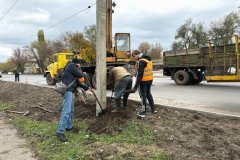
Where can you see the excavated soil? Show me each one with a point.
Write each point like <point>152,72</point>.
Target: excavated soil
<point>189,134</point>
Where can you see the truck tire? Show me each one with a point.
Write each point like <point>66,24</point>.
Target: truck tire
<point>89,81</point>
<point>181,77</point>
<point>49,79</point>
<point>94,81</point>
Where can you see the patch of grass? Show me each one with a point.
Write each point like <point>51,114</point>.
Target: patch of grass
<point>80,145</point>
<point>159,155</point>
<point>4,107</point>
<point>134,133</point>
<point>127,156</point>
<point>47,145</point>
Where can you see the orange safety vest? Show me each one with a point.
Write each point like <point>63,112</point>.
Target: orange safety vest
<point>148,70</point>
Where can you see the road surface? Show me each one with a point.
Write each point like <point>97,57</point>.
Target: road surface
<point>210,97</point>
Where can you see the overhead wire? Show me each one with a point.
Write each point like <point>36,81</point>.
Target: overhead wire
<point>10,8</point>
<point>65,19</point>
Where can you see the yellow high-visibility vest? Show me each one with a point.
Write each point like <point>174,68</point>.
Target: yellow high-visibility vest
<point>148,70</point>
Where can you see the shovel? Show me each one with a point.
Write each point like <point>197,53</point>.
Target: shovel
<point>23,113</point>
<point>91,89</point>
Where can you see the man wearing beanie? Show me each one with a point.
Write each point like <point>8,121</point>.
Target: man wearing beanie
<point>70,76</point>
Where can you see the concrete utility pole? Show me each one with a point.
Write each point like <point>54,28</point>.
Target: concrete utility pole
<point>109,25</point>
<point>101,54</point>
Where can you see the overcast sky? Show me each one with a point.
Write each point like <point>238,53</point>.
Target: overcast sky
<point>154,21</point>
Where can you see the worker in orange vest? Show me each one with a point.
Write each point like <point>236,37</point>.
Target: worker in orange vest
<point>144,69</point>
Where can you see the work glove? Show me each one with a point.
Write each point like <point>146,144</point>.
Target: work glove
<point>134,89</point>
<point>84,86</point>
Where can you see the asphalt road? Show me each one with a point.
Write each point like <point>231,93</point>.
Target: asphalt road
<point>219,96</point>
<point>210,97</point>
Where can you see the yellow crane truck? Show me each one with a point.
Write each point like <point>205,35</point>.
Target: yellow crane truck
<point>212,63</point>
<point>119,56</point>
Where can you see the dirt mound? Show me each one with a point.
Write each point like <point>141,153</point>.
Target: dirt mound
<point>183,134</point>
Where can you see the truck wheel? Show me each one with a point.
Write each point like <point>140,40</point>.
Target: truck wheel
<point>181,77</point>
<point>94,81</point>
<point>49,79</point>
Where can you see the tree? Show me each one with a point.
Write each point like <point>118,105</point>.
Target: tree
<point>199,36</point>
<point>190,35</point>
<point>40,36</point>
<point>57,46</point>
<point>90,33</point>
<point>73,41</point>
<point>144,47</point>
<point>221,31</point>
<point>19,59</point>
<point>8,66</point>
<point>156,51</point>
<point>184,33</point>
<point>177,45</point>
<point>40,51</point>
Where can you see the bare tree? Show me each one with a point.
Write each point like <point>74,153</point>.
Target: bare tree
<point>19,59</point>
<point>57,46</point>
<point>144,47</point>
<point>156,51</point>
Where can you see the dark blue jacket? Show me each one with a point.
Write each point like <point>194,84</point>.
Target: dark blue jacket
<point>71,72</point>
<point>142,64</point>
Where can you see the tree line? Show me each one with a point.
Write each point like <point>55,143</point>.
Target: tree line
<point>39,51</point>
<point>188,36</point>
<point>192,35</point>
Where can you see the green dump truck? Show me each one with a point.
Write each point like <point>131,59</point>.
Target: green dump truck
<point>212,63</point>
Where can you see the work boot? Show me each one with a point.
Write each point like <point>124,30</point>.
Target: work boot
<point>73,129</point>
<point>124,103</point>
<point>118,103</point>
<point>61,137</point>
<point>154,112</point>
<point>118,106</point>
<point>115,111</point>
<point>141,114</point>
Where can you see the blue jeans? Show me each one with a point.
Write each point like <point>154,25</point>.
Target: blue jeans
<point>67,112</point>
<point>124,84</point>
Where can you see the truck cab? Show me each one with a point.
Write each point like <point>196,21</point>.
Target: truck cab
<point>55,69</point>
<point>122,47</point>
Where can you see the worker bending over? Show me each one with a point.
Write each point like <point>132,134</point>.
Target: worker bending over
<point>120,80</point>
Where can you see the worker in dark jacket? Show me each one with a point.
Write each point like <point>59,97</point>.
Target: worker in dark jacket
<point>120,80</point>
<point>17,73</point>
<point>144,69</point>
<point>71,74</point>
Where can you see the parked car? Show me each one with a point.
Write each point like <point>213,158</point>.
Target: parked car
<point>10,72</point>
<point>0,74</point>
